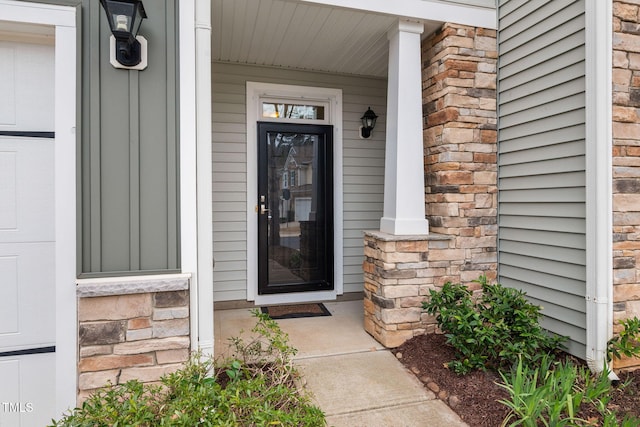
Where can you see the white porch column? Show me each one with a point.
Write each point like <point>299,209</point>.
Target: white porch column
<point>404,169</point>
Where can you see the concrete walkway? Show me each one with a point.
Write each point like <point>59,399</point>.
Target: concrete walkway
<point>352,378</point>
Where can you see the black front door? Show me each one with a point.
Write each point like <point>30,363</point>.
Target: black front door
<point>295,208</point>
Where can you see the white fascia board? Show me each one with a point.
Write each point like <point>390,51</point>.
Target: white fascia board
<point>427,10</point>
<point>36,13</point>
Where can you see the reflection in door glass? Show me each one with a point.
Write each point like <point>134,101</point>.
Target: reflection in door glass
<point>274,110</point>
<point>295,229</point>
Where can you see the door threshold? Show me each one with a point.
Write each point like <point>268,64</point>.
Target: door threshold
<point>296,297</point>
<point>238,304</point>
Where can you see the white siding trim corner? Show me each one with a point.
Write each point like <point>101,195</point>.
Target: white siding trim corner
<point>65,184</point>
<point>204,173</point>
<point>188,179</point>
<point>195,167</point>
<point>63,18</point>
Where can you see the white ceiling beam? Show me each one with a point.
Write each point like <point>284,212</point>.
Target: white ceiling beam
<point>429,10</point>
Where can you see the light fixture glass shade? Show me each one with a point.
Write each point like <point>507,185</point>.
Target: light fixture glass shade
<point>368,122</point>
<point>125,18</point>
<point>369,119</point>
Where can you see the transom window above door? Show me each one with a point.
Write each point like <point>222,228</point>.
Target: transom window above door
<point>287,111</point>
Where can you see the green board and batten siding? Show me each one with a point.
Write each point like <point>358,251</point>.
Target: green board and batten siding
<point>129,149</point>
<point>542,237</point>
<point>363,168</point>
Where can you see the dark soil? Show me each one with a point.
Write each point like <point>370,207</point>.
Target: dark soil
<point>475,396</point>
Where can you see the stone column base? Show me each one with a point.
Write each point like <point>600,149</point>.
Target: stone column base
<point>398,273</point>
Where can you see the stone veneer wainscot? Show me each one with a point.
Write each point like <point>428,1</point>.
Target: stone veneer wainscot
<point>399,271</point>
<point>135,328</point>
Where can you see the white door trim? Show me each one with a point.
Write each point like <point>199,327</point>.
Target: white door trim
<point>64,20</point>
<point>256,91</point>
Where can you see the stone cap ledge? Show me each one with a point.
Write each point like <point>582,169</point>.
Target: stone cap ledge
<point>386,237</point>
<point>109,286</point>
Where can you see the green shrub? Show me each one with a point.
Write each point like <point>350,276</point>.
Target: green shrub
<point>491,331</point>
<point>129,404</point>
<point>255,387</point>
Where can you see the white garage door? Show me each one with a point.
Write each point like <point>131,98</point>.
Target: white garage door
<point>27,240</point>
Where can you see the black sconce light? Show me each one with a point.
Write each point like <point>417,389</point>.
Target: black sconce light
<point>368,123</point>
<point>125,17</point>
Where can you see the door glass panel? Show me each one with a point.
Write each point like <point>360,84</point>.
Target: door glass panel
<point>295,211</point>
<point>293,207</point>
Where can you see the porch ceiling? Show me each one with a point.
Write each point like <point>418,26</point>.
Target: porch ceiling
<point>290,34</point>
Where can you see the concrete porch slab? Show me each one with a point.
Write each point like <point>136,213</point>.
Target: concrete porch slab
<point>360,381</point>
<point>341,333</point>
<point>227,324</point>
<point>351,377</point>
<point>433,413</point>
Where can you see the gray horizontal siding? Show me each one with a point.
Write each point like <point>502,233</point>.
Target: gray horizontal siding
<point>546,22</point>
<point>542,227</point>
<point>363,169</point>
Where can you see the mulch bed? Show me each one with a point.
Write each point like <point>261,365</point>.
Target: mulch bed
<point>474,397</point>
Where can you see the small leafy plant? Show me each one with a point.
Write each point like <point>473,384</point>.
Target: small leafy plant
<point>627,342</point>
<point>266,353</point>
<point>491,331</point>
<point>256,387</point>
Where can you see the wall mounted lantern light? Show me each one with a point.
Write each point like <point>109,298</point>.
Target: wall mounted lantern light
<point>368,123</point>
<point>127,49</point>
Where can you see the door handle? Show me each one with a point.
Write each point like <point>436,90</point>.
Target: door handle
<point>264,209</point>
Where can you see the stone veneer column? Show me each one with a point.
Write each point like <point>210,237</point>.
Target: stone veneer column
<point>460,143</point>
<point>398,273</point>
<point>626,164</point>
<point>137,329</point>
